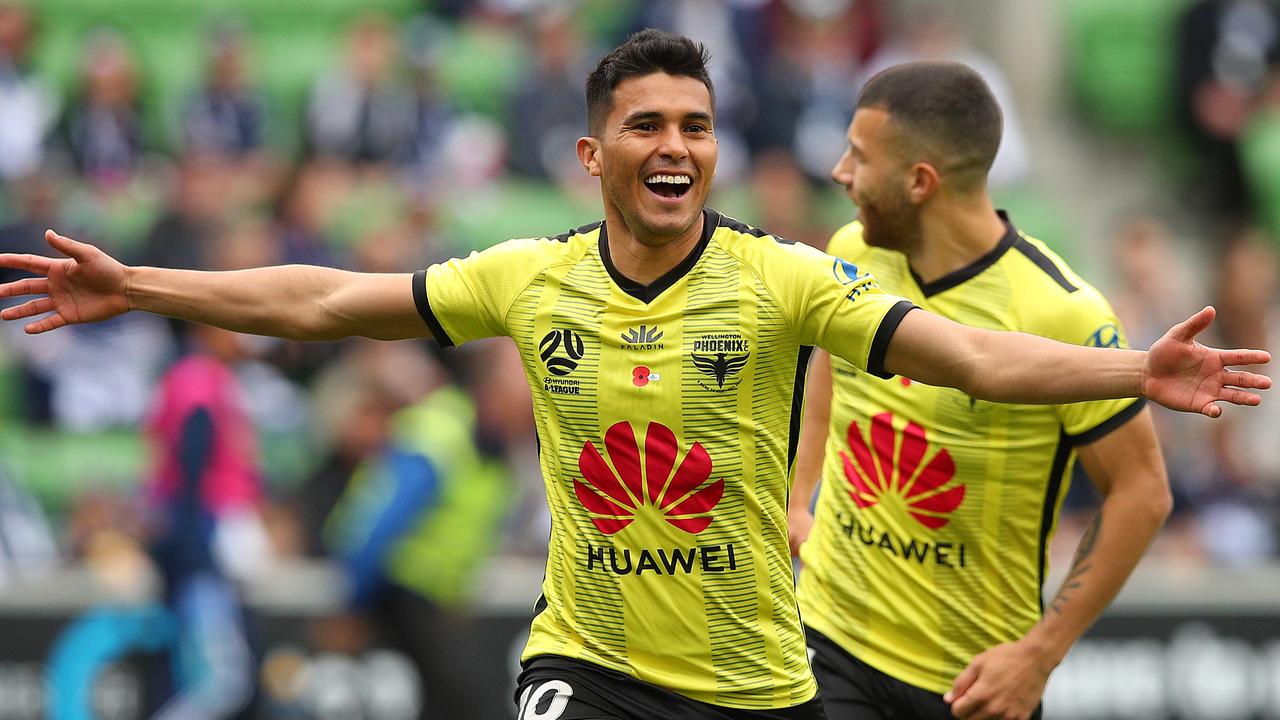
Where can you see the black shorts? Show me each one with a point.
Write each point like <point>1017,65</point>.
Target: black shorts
<point>853,690</point>
<point>558,688</point>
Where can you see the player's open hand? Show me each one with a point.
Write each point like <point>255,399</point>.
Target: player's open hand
<point>1184,375</point>
<point>1003,683</point>
<point>86,285</point>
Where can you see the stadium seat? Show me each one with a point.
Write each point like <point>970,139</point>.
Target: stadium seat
<point>1121,60</point>
<point>528,208</point>
<point>480,68</point>
<point>55,466</point>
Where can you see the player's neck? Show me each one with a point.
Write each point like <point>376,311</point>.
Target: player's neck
<point>955,234</point>
<point>644,260</point>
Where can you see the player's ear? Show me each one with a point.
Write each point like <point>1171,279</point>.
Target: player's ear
<point>589,155</point>
<point>923,182</point>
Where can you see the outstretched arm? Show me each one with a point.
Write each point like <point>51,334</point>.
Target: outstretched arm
<point>1177,372</point>
<point>298,302</point>
<point>811,451</point>
<point>1127,468</point>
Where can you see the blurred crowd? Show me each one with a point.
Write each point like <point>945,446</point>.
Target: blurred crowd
<point>441,127</point>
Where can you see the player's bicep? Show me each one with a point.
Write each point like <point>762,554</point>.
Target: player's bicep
<point>931,349</point>
<point>1128,457</point>
<point>376,305</point>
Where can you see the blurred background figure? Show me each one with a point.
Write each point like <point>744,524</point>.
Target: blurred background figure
<point>28,107</point>
<point>413,527</point>
<point>225,118</point>
<point>205,531</point>
<point>103,124</point>
<point>362,110</point>
<point>545,117</point>
<point>1227,51</point>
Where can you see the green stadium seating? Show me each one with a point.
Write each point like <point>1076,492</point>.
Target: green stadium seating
<point>55,467</point>
<point>481,67</point>
<point>1121,60</point>
<point>291,42</point>
<point>528,208</point>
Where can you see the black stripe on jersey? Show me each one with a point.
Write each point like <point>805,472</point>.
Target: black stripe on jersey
<point>424,309</point>
<point>1043,262</point>
<point>880,343</point>
<point>646,293</point>
<point>1097,432</point>
<point>1056,473</point>
<point>739,226</point>
<point>564,236</point>
<point>797,403</point>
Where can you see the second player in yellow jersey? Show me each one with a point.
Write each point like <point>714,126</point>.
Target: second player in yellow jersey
<point>925,560</point>
<point>936,509</point>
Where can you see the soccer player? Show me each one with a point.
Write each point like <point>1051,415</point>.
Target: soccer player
<point>923,569</point>
<point>665,346</point>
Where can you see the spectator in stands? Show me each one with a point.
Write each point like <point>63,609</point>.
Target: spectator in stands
<point>226,117</point>
<point>1246,458</point>
<point>305,209</point>
<point>103,125</point>
<point>190,224</point>
<point>37,200</point>
<point>1226,53</point>
<point>544,118</point>
<point>811,79</point>
<point>363,111</point>
<point>434,116</point>
<point>27,108</point>
<point>417,521</point>
<point>203,498</point>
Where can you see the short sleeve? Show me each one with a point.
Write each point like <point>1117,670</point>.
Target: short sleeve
<point>835,305</point>
<point>466,299</point>
<point>1089,320</point>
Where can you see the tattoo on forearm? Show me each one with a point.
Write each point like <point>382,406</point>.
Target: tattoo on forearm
<point>1079,566</point>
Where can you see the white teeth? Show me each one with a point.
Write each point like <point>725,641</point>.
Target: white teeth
<point>672,179</point>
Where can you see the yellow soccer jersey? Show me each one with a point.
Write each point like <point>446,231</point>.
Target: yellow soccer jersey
<point>933,521</point>
<point>667,422</point>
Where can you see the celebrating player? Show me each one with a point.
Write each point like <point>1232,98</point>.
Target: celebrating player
<point>923,570</point>
<point>665,347</point>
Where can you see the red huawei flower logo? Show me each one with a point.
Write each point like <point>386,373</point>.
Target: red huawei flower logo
<point>612,495</point>
<point>920,488</point>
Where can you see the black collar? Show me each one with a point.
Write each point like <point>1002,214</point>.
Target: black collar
<point>647,293</point>
<point>975,268</point>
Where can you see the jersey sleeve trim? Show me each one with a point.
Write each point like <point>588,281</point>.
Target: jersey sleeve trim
<point>880,343</point>
<point>424,309</point>
<point>1097,432</point>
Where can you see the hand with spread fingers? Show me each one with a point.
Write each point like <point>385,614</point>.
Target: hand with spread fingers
<point>86,285</point>
<point>1184,375</point>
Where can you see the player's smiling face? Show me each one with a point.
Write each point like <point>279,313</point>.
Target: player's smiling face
<point>876,179</point>
<point>656,154</point>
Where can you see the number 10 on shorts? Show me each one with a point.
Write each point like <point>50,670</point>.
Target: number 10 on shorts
<point>533,697</point>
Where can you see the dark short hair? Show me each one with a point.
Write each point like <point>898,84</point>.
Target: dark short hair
<point>644,53</point>
<point>946,113</point>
